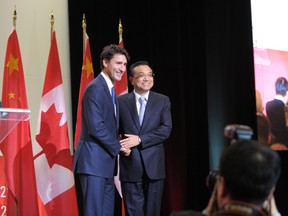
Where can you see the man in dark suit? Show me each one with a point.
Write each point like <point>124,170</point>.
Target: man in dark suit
<point>275,110</point>
<point>98,147</point>
<point>142,173</point>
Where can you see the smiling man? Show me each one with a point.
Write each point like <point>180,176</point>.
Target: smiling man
<point>145,123</point>
<point>98,147</point>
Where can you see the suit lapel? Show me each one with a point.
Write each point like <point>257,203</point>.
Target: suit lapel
<point>108,95</point>
<point>149,107</point>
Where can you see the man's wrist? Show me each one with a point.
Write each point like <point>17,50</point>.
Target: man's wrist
<point>139,139</point>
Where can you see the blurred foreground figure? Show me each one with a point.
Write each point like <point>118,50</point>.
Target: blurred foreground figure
<point>248,174</point>
<point>245,183</point>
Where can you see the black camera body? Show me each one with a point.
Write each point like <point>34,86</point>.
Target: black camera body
<point>236,132</point>
<point>211,179</point>
<point>233,132</point>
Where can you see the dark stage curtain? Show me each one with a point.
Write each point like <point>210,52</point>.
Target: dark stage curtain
<point>201,53</point>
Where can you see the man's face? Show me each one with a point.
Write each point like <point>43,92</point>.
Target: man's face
<point>143,79</point>
<point>115,67</point>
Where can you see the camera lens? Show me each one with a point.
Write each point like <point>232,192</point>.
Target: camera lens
<point>211,179</point>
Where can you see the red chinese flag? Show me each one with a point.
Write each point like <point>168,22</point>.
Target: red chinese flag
<point>86,76</point>
<point>17,146</point>
<point>53,159</point>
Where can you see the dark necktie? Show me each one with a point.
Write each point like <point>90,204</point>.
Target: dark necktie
<point>142,101</point>
<point>113,95</point>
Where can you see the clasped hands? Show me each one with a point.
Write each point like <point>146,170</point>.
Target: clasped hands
<point>128,143</point>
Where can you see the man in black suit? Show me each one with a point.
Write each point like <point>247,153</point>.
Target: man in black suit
<point>98,147</point>
<point>275,110</point>
<point>142,173</point>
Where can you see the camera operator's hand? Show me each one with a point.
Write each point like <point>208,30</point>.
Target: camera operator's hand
<point>270,206</point>
<point>212,204</point>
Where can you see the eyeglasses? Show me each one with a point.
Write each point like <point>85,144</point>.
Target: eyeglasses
<point>142,75</point>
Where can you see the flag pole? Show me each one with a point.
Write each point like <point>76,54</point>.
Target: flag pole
<point>14,17</point>
<point>84,23</point>
<point>84,27</point>
<point>120,30</point>
<point>52,24</point>
<point>121,86</point>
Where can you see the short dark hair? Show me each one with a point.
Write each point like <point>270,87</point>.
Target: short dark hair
<point>250,171</point>
<point>109,51</point>
<point>281,86</point>
<point>131,69</point>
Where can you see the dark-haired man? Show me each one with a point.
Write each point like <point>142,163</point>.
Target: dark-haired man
<point>275,110</point>
<point>98,147</point>
<point>142,173</point>
<point>248,174</point>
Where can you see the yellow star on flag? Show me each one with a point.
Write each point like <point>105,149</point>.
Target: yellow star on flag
<point>12,64</point>
<point>11,95</point>
<point>88,67</point>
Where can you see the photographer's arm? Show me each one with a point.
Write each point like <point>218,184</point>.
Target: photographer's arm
<point>271,206</point>
<point>212,204</point>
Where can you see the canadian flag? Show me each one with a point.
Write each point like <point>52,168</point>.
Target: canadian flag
<point>52,154</point>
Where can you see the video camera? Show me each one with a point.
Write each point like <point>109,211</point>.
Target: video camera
<point>233,132</point>
<point>237,132</point>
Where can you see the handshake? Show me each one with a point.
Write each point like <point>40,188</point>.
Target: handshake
<point>128,143</point>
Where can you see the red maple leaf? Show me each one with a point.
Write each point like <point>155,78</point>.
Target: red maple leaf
<point>53,138</point>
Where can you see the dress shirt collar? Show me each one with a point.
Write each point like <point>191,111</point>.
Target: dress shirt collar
<point>108,81</point>
<point>137,96</point>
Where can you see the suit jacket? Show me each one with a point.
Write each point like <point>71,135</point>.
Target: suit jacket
<point>156,128</point>
<point>98,144</point>
<point>276,115</point>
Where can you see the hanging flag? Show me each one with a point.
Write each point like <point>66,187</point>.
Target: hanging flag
<point>53,158</point>
<point>21,194</point>
<point>121,87</point>
<point>86,76</point>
